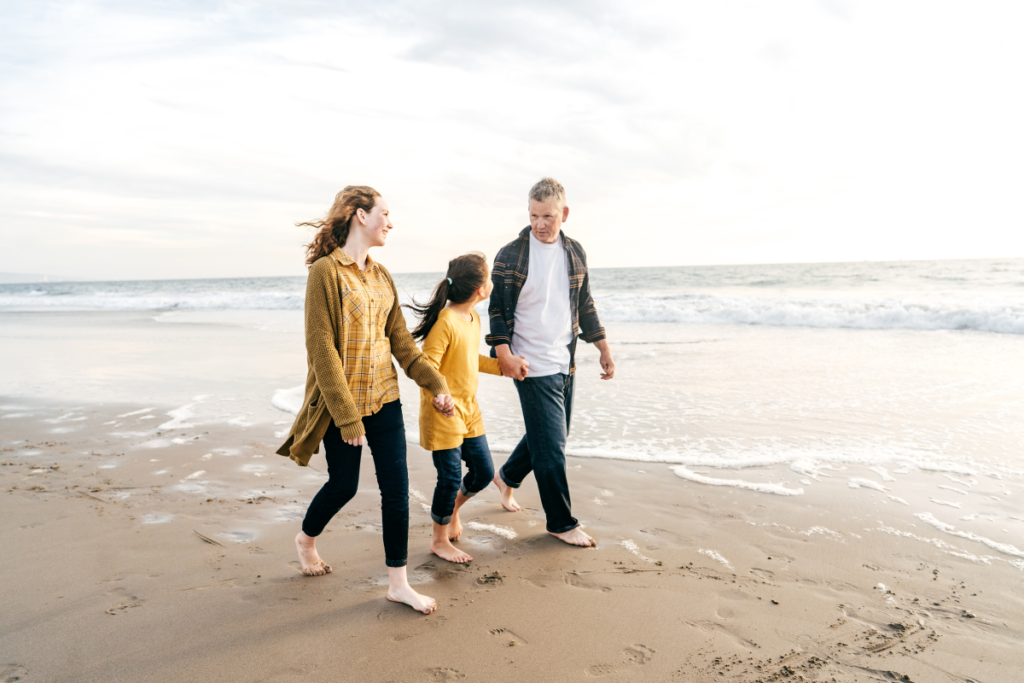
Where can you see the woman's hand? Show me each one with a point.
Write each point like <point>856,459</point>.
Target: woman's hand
<point>358,441</point>
<point>444,404</point>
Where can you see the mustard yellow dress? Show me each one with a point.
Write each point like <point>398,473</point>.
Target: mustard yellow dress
<point>453,348</point>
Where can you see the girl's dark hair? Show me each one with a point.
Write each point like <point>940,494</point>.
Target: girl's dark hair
<point>466,273</point>
<point>332,230</point>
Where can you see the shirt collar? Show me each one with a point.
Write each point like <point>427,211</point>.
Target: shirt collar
<point>344,259</point>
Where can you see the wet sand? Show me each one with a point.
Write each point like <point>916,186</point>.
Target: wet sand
<point>133,553</point>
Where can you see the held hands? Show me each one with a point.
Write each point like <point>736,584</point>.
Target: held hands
<point>358,441</point>
<point>516,367</point>
<point>444,404</point>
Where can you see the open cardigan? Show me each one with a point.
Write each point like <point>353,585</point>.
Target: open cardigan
<point>327,389</point>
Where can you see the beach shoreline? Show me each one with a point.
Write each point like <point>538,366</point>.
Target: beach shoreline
<point>145,553</point>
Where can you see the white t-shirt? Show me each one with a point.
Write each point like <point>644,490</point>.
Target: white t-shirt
<point>543,328</point>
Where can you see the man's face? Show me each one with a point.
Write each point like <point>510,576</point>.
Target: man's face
<point>546,219</point>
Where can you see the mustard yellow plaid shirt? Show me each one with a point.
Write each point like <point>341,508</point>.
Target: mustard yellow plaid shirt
<point>354,325</point>
<point>364,347</point>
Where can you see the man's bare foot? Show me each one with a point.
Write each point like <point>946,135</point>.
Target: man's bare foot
<point>576,537</point>
<point>455,528</point>
<point>446,551</point>
<point>312,565</point>
<point>507,501</point>
<point>399,590</point>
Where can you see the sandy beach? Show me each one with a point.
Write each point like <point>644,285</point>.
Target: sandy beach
<point>135,553</point>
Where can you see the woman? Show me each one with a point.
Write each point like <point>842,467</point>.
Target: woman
<point>354,324</point>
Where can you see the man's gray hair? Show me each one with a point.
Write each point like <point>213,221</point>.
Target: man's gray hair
<point>548,188</point>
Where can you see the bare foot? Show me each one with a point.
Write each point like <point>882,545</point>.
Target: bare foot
<point>446,551</point>
<point>312,565</point>
<point>455,527</point>
<point>507,501</point>
<point>399,590</point>
<point>576,537</point>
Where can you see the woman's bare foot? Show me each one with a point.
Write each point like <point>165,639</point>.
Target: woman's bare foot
<point>399,590</point>
<point>507,501</point>
<point>312,565</point>
<point>455,527</point>
<point>443,548</point>
<point>576,537</point>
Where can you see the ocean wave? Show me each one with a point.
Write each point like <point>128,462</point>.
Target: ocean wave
<point>875,313</point>
<point>987,315</point>
<point>155,301</point>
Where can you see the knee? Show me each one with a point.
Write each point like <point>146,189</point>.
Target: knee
<point>485,472</point>
<point>341,491</point>
<point>448,480</point>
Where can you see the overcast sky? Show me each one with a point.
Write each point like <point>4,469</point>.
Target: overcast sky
<point>185,139</point>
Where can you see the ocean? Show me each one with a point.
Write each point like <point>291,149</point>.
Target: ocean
<point>916,364</point>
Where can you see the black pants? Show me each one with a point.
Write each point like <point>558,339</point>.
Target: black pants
<point>385,434</point>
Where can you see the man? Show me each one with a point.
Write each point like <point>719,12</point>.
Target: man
<point>540,304</point>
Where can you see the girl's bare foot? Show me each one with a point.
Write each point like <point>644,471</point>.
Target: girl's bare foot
<point>312,565</point>
<point>455,527</point>
<point>443,548</point>
<point>507,501</point>
<point>399,590</point>
<point>576,537</point>
<point>446,551</point>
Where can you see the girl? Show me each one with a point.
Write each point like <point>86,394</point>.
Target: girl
<point>451,342</point>
<point>353,325</point>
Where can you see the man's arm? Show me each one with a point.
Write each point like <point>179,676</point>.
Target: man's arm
<point>511,365</point>
<point>590,324</point>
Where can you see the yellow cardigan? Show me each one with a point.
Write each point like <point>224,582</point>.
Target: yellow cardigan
<point>453,347</point>
<point>327,392</point>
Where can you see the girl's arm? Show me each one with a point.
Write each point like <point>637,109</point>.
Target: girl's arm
<point>321,347</point>
<point>437,342</point>
<point>416,365</point>
<point>489,365</point>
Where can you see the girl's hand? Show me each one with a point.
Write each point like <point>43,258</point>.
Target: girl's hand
<point>444,404</point>
<point>358,441</point>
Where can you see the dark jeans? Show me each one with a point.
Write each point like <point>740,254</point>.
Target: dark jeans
<point>385,434</point>
<point>480,472</point>
<point>547,411</point>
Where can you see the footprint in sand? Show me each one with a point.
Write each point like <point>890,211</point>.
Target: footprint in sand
<point>578,581</point>
<point>634,654</point>
<point>445,674</point>
<point>638,654</point>
<point>512,639</point>
<point>13,672</point>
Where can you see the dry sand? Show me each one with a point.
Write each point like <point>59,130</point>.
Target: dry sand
<point>134,554</point>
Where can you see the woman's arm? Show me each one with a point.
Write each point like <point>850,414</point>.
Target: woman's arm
<point>322,304</point>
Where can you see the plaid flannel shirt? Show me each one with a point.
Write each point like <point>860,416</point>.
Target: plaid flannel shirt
<point>511,267</point>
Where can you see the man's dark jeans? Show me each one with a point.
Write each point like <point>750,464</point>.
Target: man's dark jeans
<point>547,411</point>
<point>385,434</point>
<point>480,472</point>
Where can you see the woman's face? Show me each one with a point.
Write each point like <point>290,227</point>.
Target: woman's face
<point>378,223</point>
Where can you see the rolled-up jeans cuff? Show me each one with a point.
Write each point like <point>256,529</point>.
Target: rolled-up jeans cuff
<point>508,483</point>
<point>466,492</point>
<point>441,520</point>
<point>396,563</point>
<point>562,531</point>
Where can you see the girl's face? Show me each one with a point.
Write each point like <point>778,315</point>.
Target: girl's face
<point>377,223</point>
<point>488,287</point>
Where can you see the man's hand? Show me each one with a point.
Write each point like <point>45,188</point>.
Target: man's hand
<point>444,404</point>
<point>358,441</point>
<point>607,364</point>
<point>516,367</point>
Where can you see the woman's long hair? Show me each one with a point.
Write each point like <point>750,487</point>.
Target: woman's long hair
<point>332,231</point>
<point>466,274</point>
